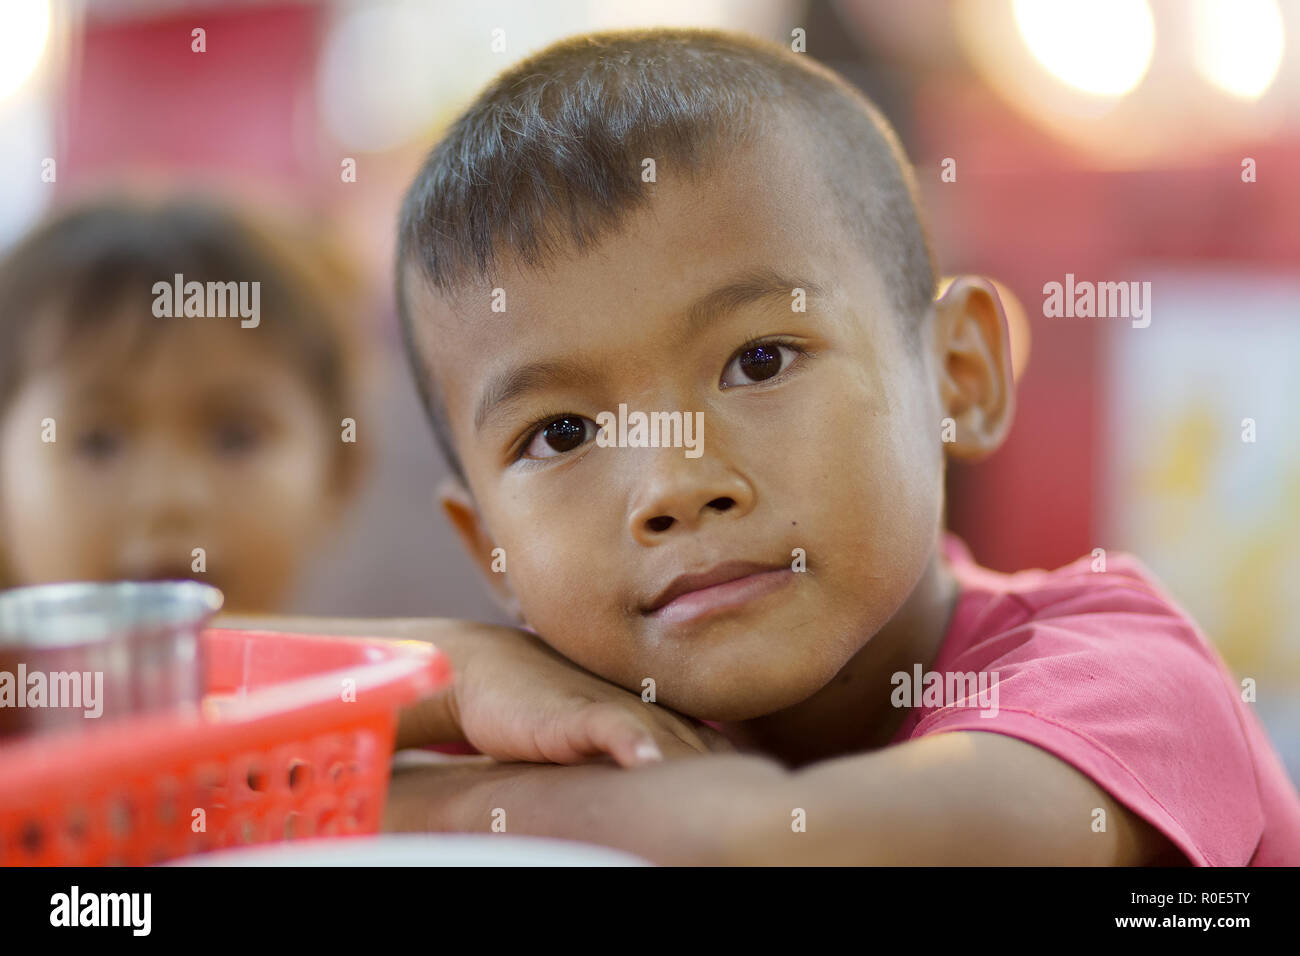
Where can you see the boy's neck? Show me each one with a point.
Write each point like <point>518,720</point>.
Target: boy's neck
<point>853,712</point>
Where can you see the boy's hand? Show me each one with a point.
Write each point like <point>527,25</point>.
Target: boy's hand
<point>514,698</point>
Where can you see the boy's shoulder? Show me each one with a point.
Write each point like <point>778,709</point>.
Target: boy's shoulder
<point>1100,583</point>
<point>1096,664</point>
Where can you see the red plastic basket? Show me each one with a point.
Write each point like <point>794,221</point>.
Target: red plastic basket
<point>279,752</point>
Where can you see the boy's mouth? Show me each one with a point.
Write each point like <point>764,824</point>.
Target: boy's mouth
<point>724,586</point>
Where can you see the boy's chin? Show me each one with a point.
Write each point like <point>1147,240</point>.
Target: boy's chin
<point>741,669</point>
<point>745,696</point>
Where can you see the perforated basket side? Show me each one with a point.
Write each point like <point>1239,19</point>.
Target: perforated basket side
<point>288,760</point>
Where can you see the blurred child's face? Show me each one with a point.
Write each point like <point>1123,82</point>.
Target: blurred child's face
<point>820,437</point>
<point>201,437</point>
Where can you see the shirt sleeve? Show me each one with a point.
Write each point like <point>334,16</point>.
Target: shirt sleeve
<point>1134,698</point>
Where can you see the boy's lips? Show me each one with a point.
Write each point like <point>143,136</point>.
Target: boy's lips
<point>725,585</point>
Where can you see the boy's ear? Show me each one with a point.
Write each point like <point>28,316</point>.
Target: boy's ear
<point>458,505</point>
<point>972,344</point>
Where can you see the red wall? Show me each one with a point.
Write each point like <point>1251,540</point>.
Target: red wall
<point>141,99</point>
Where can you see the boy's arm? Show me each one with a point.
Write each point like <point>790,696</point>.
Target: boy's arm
<point>953,798</point>
<point>514,697</point>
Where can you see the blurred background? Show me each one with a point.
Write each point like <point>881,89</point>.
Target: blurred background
<point>1114,140</point>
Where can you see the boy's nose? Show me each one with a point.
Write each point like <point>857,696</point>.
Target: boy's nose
<point>676,494</point>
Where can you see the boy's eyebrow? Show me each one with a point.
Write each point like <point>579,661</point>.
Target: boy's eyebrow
<point>527,378</point>
<point>751,286</point>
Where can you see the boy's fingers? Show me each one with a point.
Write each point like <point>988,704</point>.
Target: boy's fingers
<point>612,730</point>
<point>687,734</point>
<point>428,721</point>
<point>715,741</point>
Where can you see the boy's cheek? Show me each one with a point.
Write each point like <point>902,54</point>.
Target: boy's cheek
<point>571,598</point>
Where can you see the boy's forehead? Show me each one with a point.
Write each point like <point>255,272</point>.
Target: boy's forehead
<point>762,211</point>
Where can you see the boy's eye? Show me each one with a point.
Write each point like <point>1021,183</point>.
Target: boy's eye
<point>559,435</point>
<point>757,363</point>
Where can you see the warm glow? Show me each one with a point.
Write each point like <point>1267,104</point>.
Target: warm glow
<point>24,29</point>
<point>1238,44</point>
<point>1102,47</point>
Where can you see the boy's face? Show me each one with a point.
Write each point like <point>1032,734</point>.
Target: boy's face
<point>821,432</point>
<point>202,438</point>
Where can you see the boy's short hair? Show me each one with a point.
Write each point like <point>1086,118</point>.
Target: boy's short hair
<point>549,157</point>
<point>96,261</point>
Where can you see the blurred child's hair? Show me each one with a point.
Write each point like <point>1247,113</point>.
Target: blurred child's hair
<point>550,156</point>
<point>96,262</point>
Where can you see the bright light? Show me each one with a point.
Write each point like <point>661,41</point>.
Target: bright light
<point>375,75</point>
<point>24,28</point>
<point>1238,44</point>
<point>1102,47</point>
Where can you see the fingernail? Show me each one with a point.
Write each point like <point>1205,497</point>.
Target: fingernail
<point>648,751</point>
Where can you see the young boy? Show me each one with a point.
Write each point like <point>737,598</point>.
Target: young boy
<point>674,221</point>
<point>141,440</point>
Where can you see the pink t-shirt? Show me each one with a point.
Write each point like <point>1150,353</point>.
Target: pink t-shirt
<point>1106,672</point>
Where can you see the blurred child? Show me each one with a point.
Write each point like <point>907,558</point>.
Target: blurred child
<point>157,421</point>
